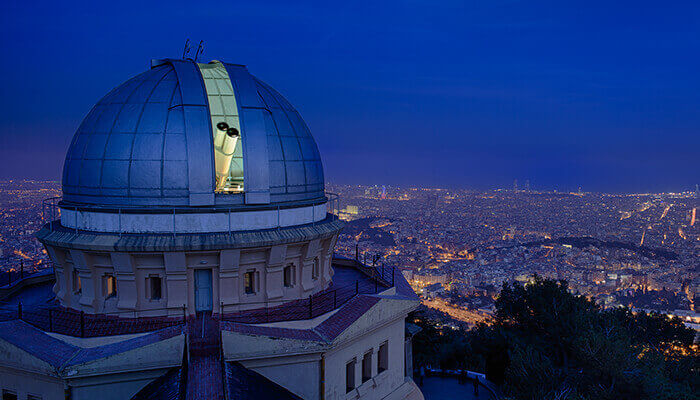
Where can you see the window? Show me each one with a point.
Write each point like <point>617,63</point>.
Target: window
<point>9,395</point>
<point>156,284</point>
<point>289,275</point>
<point>315,269</point>
<point>383,357</point>
<point>350,376</point>
<point>367,366</point>
<point>249,282</point>
<point>109,286</point>
<point>77,286</point>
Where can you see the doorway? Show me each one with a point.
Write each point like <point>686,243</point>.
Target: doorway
<point>202,290</point>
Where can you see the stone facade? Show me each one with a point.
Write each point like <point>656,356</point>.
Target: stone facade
<point>122,282</point>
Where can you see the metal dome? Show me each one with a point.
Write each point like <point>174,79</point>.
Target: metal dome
<point>149,142</point>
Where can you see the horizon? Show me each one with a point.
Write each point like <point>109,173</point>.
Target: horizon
<point>534,190</point>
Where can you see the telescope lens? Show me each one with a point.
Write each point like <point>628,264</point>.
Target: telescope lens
<point>232,132</point>
<point>222,126</point>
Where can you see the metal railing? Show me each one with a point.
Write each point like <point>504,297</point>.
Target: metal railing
<point>23,269</point>
<point>57,319</point>
<point>51,214</point>
<point>54,318</point>
<point>381,278</point>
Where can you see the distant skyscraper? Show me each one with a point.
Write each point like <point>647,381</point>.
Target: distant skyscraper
<point>383,196</point>
<point>515,185</point>
<point>697,191</point>
<point>527,185</point>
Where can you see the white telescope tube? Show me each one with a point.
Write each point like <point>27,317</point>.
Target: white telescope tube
<point>223,157</point>
<point>220,134</point>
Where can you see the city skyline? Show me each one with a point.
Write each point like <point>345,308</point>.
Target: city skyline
<point>597,96</point>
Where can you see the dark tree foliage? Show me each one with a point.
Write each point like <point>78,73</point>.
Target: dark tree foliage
<point>545,343</point>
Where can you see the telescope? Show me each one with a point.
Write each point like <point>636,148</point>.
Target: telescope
<point>225,141</point>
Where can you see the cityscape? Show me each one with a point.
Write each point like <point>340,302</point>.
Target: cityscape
<point>458,247</point>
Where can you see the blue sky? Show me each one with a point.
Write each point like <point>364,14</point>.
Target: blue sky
<point>602,95</point>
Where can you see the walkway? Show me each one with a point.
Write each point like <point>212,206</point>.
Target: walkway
<point>205,369</point>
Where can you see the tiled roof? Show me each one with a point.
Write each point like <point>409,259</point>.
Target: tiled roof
<point>167,387</point>
<point>244,384</point>
<point>59,354</point>
<point>94,353</point>
<point>37,343</point>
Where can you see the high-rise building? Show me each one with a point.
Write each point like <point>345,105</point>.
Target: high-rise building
<point>515,185</point>
<point>193,258</point>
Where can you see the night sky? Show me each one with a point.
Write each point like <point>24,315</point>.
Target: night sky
<point>599,94</point>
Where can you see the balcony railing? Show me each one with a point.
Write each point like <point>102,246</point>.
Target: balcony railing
<point>54,318</point>
<point>20,270</point>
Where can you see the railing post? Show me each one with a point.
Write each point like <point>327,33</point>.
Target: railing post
<point>357,288</point>
<point>82,324</point>
<point>335,299</point>
<point>311,306</point>
<point>393,272</point>
<point>19,310</point>
<point>184,314</point>
<point>50,320</point>
<point>376,285</point>
<point>221,310</point>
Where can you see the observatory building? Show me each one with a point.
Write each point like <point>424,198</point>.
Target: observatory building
<point>192,258</point>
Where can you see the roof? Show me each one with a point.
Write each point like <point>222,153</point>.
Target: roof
<point>149,142</point>
<point>245,384</point>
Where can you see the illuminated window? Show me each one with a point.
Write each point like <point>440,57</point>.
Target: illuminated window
<point>367,366</point>
<point>77,286</point>
<point>289,275</point>
<point>249,282</point>
<point>350,376</point>
<point>156,286</point>
<point>315,269</point>
<point>109,286</point>
<point>383,357</point>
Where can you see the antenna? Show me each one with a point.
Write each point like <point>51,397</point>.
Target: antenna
<point>200,50</point>
<point>186,50</point>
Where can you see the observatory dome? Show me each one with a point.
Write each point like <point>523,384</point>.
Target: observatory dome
<point>192,134</point>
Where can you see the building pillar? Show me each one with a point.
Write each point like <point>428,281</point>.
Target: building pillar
<point>326,259</point>
<point>311,251</point>
<point>62,287</point>
<point>175,281</point>
<point>87,280</point>
<point>274,272</point>
<point>125,274</point>
<point>229,262</point>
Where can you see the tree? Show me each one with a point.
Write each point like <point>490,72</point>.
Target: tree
<point>546,343</point>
